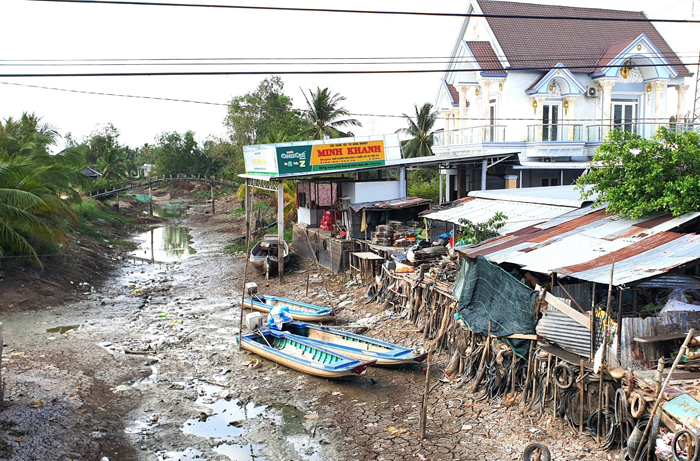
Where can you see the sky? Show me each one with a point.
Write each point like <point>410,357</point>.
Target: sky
<point>50,31</point>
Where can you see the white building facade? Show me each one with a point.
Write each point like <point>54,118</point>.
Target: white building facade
<point>546,92</point>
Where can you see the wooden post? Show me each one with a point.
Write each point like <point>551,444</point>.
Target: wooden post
<point>318,267</point>
<point>681,352</point>
<point>280,231</point>
<point>213,207</point>
<point>581,389</point>
<point>150,196</point>
<point>424,405</point>
<point>247,257</point>
<point>153,254</point>
<point>601,370</point>
<point>619,322</point>
<point>592,317</point>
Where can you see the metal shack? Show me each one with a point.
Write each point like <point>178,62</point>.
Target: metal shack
<point>345,188</point>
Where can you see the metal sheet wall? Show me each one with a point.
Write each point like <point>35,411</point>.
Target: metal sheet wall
<point>558,328</point>
<point>645,355</point>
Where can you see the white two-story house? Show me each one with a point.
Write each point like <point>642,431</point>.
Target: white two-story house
<point>547,91</point>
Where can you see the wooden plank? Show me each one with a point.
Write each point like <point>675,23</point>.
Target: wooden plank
<point>659,338</point>
<point>567,310</point>
<point>566,355</point>
<point>532,337</point>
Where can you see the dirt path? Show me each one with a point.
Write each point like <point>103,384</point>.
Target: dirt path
<point>131,383</point>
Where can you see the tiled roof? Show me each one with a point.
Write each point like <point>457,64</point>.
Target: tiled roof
<point>542,43</point>
<point>485,56</point>
<point>454,94</point>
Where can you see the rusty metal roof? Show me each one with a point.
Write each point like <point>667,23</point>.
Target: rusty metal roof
<point>582,244</point>
<point>523,208</point>
<point>394,204</point>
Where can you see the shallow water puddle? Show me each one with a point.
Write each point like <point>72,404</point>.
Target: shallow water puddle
<point>169,211</point>
<point>164,244</point>
<point>62,329</point>
<point>232,420</point>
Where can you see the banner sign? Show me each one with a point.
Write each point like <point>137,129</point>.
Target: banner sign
<point>329,157</point>
<point>261,161</point>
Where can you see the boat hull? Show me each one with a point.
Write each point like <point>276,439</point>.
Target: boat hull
<point>297,310</point>
<point>344,368</point>
<point>260,257</point>
<point>357,346</point>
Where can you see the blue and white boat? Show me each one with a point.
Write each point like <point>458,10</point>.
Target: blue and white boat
<point>301,354</point>
<point>356,346</point>
<point>297,310</point>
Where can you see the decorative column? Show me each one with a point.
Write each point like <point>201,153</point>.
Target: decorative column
<point>463,90</point>
<point>448,133</point>
<point>537,104</point>
<point>680,109</point>
<point>659,87</point>
<point>485,102</point>
<point>570,114</point>
<point>607,86</point>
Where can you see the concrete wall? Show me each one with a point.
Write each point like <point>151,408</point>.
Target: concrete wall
<point>373,191</point>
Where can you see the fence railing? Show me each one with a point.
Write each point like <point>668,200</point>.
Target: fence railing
<point>157,179</point>
<point>472,135</point>
<point>555,132</point>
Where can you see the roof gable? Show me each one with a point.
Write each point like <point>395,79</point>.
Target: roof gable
<point>484,56</point>
<point>540,44</point>
<point>574,86</point>
<point>639,49</point>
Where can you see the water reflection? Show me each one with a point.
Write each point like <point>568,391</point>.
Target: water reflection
<point>165,244</point>
<point>171,210</point>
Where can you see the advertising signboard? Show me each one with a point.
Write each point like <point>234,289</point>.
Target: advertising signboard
<point>329,157</point>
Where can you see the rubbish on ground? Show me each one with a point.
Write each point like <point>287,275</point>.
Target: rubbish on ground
<point>394,431</point>
<point>37,403</point>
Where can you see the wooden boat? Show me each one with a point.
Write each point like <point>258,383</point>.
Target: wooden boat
<point>303,355</point>
<point>297,310</point>
<point>265,254</point>
<point>356,346</point>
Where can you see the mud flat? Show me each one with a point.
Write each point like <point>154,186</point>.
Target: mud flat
<point>145,366</point>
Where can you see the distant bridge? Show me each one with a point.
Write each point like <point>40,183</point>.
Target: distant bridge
<point>146,182</point>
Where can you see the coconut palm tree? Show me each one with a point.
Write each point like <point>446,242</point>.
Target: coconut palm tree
<point>32,184</point>
<point>420,130</point>
<point>326,116</point>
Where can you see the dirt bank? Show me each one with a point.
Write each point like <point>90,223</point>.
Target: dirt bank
<point>152,372</point>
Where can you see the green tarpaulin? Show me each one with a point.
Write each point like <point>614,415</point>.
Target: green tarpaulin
<point>486,293</point>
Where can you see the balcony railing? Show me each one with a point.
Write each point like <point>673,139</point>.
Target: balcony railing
<point>554,132</point>
<point>472,135</point>
<point>597,133</point>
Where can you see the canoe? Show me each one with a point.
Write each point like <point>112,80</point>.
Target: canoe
<point>303,355</point>
<point>264,256</point>
<point>297,310</point>
<point>357,346</point>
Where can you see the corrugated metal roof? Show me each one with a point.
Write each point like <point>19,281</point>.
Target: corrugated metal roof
<point>553,195</point>
<point>582,244</point>
<point>394,204</point>
<point>519,215</point>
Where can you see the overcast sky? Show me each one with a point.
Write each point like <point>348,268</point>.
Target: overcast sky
<point>39,30</point>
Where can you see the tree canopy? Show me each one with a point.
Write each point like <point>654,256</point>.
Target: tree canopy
<point>420,130</point>
<point>637,176</point>
<point>326,115</point>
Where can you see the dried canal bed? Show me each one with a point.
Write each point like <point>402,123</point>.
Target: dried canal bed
<point>164,244</point>
<point>155,360</point>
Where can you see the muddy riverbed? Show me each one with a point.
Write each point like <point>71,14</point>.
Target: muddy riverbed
<point>145,366</point>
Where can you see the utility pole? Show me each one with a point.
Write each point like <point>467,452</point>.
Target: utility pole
<point>696,104</point>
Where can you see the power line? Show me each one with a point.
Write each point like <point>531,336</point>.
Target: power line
<point>350,62</point>
<point>248,106</point>
<point>304,72</point>
<point>380,12</point>
<point>529,56</point>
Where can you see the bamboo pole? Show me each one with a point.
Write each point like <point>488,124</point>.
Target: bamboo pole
<point>581,388</point>
<point>601,370</point>
<point>318,267</point>
<point>247,258</point>
<point>424,405</point>
<point>681,352</point>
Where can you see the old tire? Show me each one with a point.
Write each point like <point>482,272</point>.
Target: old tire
<point>545,455</point>
<point>693,439</point>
